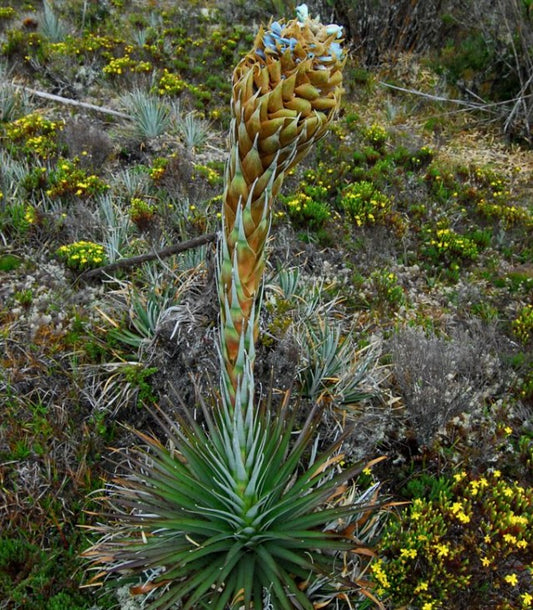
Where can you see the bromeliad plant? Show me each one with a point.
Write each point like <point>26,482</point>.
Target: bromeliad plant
<point>212,526</point>
<point>228,517</point>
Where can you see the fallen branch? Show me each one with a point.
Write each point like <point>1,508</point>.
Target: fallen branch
<point>67,100</point>
<point>435,98</point>
<point>124,263</point>
<point>485,106</point>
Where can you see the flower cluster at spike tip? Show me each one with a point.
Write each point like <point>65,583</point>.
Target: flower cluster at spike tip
<point>277,40</point>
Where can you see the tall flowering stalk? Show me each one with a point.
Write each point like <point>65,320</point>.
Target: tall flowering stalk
<point>286,91</point>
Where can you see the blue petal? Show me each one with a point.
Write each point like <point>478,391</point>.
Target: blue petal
<point>276,27</point>
<point>268,41</point>
<point>336,49</point>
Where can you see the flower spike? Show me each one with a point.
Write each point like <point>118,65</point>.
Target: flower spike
<point>286,92</point>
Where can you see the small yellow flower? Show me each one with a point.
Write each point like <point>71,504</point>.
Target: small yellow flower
<point>517,519</point>
<point>428,606</point>
<point>512,579</point>
<point>408,553</point>
<point>485,562</point>
<point>442,550</point>
<point>379,573</point>
<point>527,600</point>
<point>463,517</point>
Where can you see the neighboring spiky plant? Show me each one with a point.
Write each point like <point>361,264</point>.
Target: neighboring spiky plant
<point>334,369</point>
<point>286,91</point>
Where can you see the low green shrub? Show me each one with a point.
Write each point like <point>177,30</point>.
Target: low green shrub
<point>365,204</point>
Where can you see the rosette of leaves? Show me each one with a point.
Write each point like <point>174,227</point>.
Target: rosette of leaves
<point>286,92</point>
<point>227,517</point>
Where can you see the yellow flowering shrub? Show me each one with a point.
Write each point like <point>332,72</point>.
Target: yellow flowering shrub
<point>33,135</point>
<point>478,530</point>
<point>67,178</point>
<point>159,166</point>
<point>7,12</point>
<point>523,324</point>
<point>509,214</point>
<point>308,206</point>
<point>141,212</point>
<point>170,84</point>
<point>212,176</point>
<point>18,218</point>
<point>447,249</point>
<point>389,292</point>
<point>492,195</point>
<point>305,211</point>
<point>365,204</point>
<point>126,64</point>
<point>82,255</point>
<point>376,135</point>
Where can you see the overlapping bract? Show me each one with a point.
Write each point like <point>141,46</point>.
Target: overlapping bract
<point>286,91</point>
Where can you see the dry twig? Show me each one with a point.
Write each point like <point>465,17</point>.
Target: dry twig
<point>143,258</point>
<point>71,102</point>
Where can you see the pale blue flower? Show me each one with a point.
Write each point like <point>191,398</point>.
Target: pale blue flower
<point>275,42</point>
<point>336,52</point>
<point>333,28</point>
<point>302,12</point>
